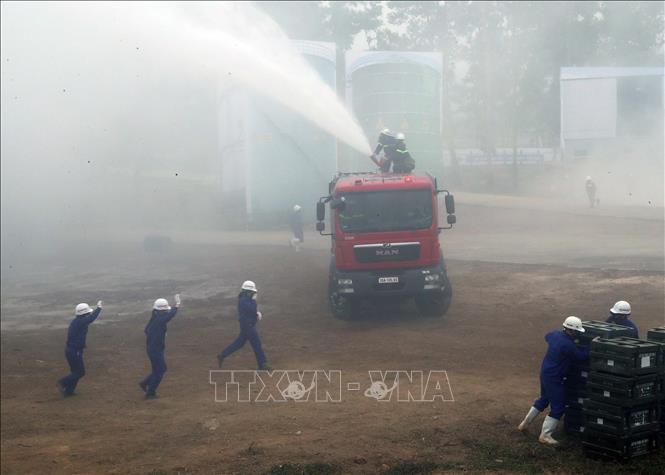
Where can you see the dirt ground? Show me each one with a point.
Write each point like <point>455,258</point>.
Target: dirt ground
<point>490,343</point>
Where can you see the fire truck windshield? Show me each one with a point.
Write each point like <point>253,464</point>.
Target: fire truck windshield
<point>390,210</point>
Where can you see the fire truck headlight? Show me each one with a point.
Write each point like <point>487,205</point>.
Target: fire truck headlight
<point>345,282</point>
<point>432,277</point>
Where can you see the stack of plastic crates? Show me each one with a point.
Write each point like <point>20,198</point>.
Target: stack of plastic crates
<point>622,413</point>
<point>578,375</point>
<point>657,335</point>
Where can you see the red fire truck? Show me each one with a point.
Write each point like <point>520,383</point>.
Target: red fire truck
<point>385,241</point>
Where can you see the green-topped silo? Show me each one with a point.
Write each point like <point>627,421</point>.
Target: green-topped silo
<point>400,91</point>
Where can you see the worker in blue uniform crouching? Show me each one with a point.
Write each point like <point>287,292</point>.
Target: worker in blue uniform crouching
<point>561,354</point>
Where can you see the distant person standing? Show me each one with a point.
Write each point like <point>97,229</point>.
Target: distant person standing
<point>155,332</point>
<point>620,315</point>
<point>76,336</point>
<point>591,189</point>
<point>248,316</point>
<point>295,221</point>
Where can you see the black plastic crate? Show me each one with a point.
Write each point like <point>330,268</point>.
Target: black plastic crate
<point>577,376</point>
<point>579,371</point>
<point>573,420</point>
<point>574,427</point>
<point>575,390</point>
<point>656,335</point>
<point>575,403</point>
<point>603,445</point>
<point>621,421</point>
<point>594,328</point>
<point>623,390</point>
<point>625,356</point>
<point>576,414</point>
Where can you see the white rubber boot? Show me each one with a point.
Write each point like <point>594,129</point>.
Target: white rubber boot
<point>549,426</point>
<point>528,419</point>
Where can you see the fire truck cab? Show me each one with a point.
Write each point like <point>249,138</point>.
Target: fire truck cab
<point>385,241</point>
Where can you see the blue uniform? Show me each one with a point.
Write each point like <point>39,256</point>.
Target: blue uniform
<point>76,336</point>
<point>561,354</point>
<point>247,317</point>
<point>624,322</point>
<point>155,332</point>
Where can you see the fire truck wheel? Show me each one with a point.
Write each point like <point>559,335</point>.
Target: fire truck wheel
<point>342,308</point>
<point>435,304</point>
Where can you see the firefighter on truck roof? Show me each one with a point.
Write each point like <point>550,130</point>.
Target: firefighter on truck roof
<point>395,153</point>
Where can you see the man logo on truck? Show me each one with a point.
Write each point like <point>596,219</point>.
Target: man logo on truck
<point>387,251</point>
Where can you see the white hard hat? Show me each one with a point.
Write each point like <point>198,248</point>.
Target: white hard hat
<point>249,285</point>
<point>588,178</point>
<point>400,136</point>
<point>621,307</point>
<point>297,208</point>
<point>161,304</point>
<point>82,309</point>
<point>573,323</point>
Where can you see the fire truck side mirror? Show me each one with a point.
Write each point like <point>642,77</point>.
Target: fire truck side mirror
<point>452,219</point>
<point>338,204</point>
<point>320,212</point>
<point>450,204</point>
<point>320,226</point>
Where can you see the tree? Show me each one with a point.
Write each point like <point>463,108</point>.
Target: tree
<point>514,52</point>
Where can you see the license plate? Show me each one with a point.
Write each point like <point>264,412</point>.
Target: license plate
<point>388,280</point>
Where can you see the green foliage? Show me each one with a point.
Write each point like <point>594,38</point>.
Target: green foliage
<point>514,52</point>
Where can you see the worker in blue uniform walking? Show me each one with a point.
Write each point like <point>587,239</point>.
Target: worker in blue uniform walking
<point>561,354</point>
<point>248,316</point>
<point>155,332</point>
<point>620,314</point>
<point>76,336</point>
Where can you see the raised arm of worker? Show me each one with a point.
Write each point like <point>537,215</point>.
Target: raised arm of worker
<point>173,310</point>
<point>93,316</point>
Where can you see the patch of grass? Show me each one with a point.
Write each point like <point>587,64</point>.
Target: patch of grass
<point>317,468</point>
<point>529,457</point>
<point>485,455</point>
<point>417,468</point>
